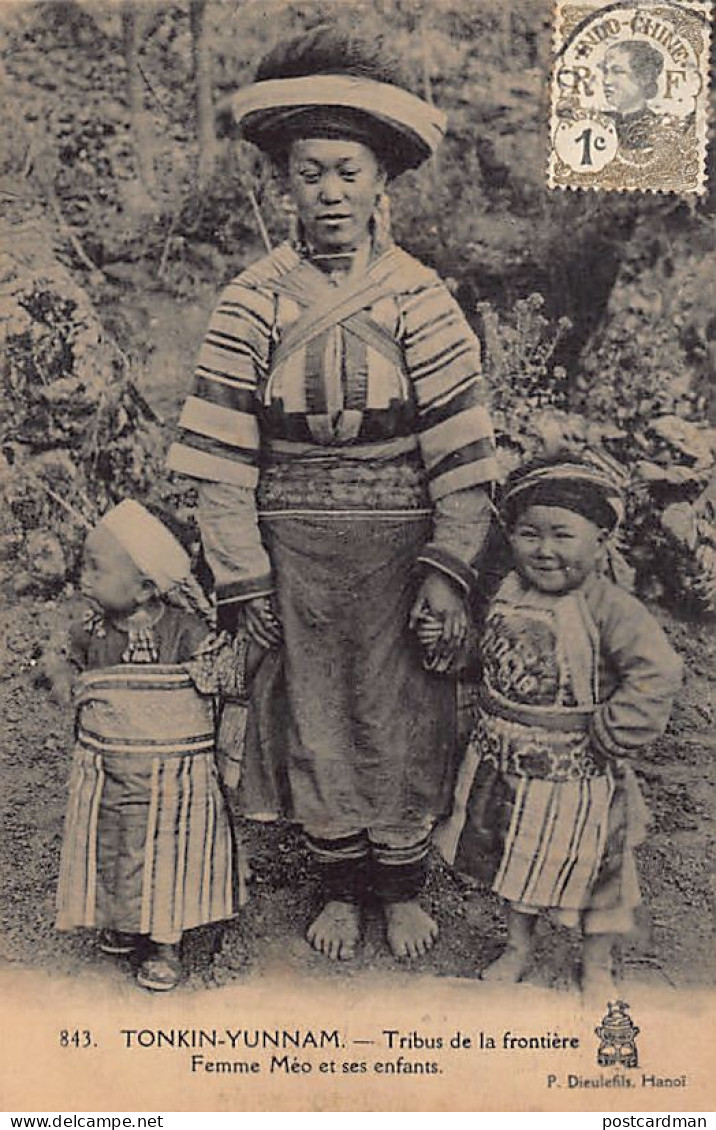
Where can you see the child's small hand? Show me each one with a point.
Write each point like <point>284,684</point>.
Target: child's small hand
<point>262,623</point>
<point>440,601</point>
<point>439,619</point>
<point>429,630</point>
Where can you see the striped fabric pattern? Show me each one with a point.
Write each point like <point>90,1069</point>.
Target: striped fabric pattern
<point>337,849</point>
<point>443,359</point>
<point>336,384</point>
<point>540,655</point>
<point>186,874</point>
<point>167,715</point>
<point>392,854</point>
<point>555,841</point>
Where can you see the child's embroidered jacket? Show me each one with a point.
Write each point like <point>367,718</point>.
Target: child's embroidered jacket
<point>574,686</point>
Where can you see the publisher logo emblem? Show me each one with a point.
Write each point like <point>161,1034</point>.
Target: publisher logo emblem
<point>617,1037</point>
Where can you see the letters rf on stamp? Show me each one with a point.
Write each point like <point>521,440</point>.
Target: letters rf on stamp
<point>630,87</point>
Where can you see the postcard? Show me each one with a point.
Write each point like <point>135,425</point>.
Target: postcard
<point>358,556</point>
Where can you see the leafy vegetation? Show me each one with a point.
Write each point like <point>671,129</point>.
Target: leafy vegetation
<point>595,310</point>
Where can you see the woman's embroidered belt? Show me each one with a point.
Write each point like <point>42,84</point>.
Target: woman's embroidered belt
<point>387,477</point>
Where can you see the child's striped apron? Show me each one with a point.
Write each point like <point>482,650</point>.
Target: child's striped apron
<point>148,844</point>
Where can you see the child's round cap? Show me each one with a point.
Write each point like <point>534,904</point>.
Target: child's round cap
<point>154,550</point>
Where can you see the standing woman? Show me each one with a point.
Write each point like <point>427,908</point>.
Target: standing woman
<point>343,459</point>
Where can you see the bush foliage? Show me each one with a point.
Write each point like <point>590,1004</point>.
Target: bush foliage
<point>595,310</point>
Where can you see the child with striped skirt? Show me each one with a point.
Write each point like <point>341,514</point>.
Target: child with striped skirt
<point>148,850</point>
<point>577,679</point>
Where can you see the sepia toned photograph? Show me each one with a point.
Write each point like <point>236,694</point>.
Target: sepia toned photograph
<point>358,555</point>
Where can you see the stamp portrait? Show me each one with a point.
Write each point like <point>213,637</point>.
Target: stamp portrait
<point>630,87</point>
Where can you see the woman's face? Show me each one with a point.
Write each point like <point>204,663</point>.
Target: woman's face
<point>335,186</point>
<point>623,88</point>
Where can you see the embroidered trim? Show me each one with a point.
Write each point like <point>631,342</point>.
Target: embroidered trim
<point>236,592</point>
<point>438,558</point>
<point>372,515</point>
<point>528,752</point>
<point>369,485</point>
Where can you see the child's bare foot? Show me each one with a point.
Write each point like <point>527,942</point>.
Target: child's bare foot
<point>410,931</point>
<point>598,985</point>
<point>336,931</point>
<point>597,979</point>
<point>509,967</point>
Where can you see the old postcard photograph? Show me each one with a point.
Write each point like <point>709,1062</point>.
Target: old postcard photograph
<point>358,556</point>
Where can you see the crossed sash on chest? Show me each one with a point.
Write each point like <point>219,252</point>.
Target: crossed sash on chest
<point>336,333</point>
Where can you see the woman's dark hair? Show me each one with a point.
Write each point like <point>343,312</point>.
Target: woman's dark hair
<point>333,49</point>
<point>646,62</point>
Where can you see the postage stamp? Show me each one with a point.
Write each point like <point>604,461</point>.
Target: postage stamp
<point>630,89</point>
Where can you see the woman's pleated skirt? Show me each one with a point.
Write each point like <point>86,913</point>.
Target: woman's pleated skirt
<point>347,730</point>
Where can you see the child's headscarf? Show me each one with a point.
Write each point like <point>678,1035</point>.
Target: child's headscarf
<point>153,549</point>
<point>158,555</point>
<point>590,485</point>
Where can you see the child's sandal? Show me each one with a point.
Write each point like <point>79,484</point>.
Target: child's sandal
<point>116,943</point>
<point>161,973</point>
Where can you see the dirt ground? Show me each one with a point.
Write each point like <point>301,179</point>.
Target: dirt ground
<point>673,944</point>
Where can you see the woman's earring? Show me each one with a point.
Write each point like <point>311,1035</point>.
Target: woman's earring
<point>381,221</point>
<point>291,213</point>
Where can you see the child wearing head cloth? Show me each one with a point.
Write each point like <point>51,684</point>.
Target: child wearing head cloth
<point>577,680</point>
<point>148,849</point>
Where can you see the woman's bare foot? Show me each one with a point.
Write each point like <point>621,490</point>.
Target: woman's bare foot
<point>161,970</point>
<point>410,931</point>
<point>336,931</point>
<point>509,966</point>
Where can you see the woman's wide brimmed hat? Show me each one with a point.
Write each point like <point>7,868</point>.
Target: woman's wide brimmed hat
<point>328,83</point>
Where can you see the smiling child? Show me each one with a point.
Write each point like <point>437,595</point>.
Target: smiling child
<point>578,678</point>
